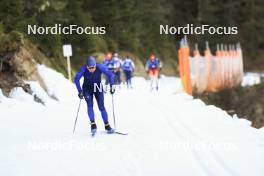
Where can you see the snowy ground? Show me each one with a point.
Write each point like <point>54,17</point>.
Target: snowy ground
<point>170,133</point>
<point>252,78</point>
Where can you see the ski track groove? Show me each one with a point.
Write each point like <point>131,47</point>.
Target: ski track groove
<point>180,135</point>
<point>198,156</point>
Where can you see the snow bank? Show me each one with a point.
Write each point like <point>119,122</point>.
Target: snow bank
<point>242,121</point>
<point>58,86</point>
<point>1,95</point>
<point>18,93</point>
<point>39,91</point>
<point>251,79</point>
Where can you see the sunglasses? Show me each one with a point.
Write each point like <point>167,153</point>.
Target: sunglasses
<point>90,68</point>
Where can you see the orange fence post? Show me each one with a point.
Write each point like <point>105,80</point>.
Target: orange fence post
<point>184,54</point>
<point>180,58</point>
<point>187,70</point>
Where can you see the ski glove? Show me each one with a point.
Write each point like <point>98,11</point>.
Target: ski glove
<point>80,95</point>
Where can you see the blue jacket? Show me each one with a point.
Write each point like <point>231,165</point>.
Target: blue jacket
<point>128,65</point>
<point>152,64</point>
<point>117,62</point>
<point>110,64</point>
<point>92,78</point>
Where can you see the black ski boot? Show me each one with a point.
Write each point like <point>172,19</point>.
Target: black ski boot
<point>93,128</point>
<point>108,129</point>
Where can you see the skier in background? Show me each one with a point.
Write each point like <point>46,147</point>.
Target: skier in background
<point>109,63</point>
<point>117,68</point>
<point>153,67</point>
<point>91,72</point>
<point>128,67</point>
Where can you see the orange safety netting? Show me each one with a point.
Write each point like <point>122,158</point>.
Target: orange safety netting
<point>210,72</point>
<point>184,64</point>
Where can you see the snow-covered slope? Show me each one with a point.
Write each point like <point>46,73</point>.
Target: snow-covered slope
<point>251,78</point>
<point>170,133</point>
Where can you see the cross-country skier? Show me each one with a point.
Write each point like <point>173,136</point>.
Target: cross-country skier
<point>117,68</point>
<point>152,68</point>
<point>110,64</point>
<point>91,72</point>
<point>128,68</point>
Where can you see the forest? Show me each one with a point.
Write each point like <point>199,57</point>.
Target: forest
<point>133,25</point>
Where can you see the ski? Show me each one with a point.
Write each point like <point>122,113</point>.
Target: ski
<point>117,132</point>
<point>114,132</point>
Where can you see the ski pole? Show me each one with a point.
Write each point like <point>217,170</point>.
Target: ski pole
<point>113,108</point>
<point>77,116</point>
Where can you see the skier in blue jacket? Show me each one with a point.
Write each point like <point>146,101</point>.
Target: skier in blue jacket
<point>91,72</point>
<point>110,64</point>
<point>153,66</point>
<point>128,68</point>
<point>117,68</point>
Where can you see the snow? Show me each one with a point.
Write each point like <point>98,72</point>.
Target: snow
<point>251,79</point>
<point>56,83</point>
<point>19,94</point>
<point>40,92</point>
<point>170,133</point>
<point>1,95</point>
